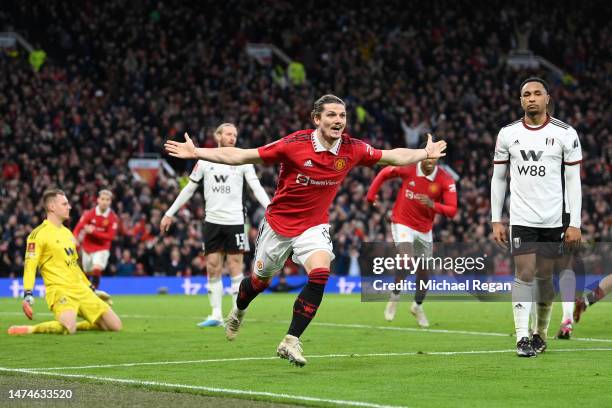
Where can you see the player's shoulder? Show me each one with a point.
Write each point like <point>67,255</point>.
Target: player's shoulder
<point>444,175</point>
<point>559,123</point>
<point>512,125</point>
<point>39,232</point>
<point>300,136</point>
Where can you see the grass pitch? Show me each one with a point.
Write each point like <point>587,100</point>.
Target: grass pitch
<point>355,357</point>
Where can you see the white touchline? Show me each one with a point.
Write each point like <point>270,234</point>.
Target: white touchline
<point>209,389</point>
<point>352,355</point>
<point>349,325</point>
<point>414,329</point>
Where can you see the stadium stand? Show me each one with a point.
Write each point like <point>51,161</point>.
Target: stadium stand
<point>119,80</point>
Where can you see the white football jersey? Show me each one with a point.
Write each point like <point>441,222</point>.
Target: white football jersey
<point>223,187</point>
<point>536,155</point>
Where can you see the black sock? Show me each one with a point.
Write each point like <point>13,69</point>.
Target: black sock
<point>95,281</point>
<point>250,287</point>
<point>308,301</point>
<point>419,295</point>
<point>595,295</point>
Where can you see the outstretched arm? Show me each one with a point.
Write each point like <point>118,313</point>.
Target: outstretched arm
<point>384,174</point>
<point>225,155</point>
<point>402,156</point>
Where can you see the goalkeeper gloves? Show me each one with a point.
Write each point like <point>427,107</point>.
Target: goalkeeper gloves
<point>26,305</point>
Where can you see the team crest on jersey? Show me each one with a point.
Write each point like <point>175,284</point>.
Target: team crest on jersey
<point>411,183</point>
<point>259,265</point>
<point>340,164</point>
<point>516,242</point>
<point>433,188</point>
<point>105,222</point>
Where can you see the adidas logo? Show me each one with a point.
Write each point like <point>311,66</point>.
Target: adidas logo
<point>308,163</point>
<point>519,306</point>
<point>516,142</point>
<point>412,184</point>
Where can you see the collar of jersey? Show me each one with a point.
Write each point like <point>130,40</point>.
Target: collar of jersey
<point>431,177</point>
<point>104,214</point>
<point>529,127</point>
<point>318,147</point>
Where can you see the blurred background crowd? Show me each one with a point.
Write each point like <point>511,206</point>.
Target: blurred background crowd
<point>117,79</point>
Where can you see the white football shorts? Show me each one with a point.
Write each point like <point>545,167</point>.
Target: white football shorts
<point>272,249</point>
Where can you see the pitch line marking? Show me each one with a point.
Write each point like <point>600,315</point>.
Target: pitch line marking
<point>346,325</point>
<point>322,356</point>
<point>214,390</point>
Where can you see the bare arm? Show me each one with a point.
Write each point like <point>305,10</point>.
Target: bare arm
<point>224,155</point>
<point>403,157</point>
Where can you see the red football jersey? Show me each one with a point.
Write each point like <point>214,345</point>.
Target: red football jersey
<point>106,228</point>
<point>407,210</point>
<point>309,177</point>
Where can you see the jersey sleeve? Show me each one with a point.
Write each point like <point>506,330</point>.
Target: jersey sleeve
<point>572,151</point>
<point>383,175</point>
<point>84,220</point>
<point>34,250</point>
<point>367,155</point>
<point>197,174</point>
<point>448,206</point>
<point>502,154</point>
<point>272,152</point>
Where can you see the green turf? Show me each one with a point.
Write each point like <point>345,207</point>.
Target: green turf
<point>162,329</point>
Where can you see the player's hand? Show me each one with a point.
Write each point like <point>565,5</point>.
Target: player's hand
<point>500,235</point>
<point>184,150</point>
<point>26,305</point>
<point>572,236</point>
<point>374,202</point>
<point>165,223</point>
<point>104,296</point>
<point>435,150</point>
<point>425,200</point>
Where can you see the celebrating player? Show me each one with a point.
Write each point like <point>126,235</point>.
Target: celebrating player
<point>224,234</point>
<point>51,249</point>
<point>426,190</point>
<point>313,165</point>
<point>536,146</point>
<point>95,231</point>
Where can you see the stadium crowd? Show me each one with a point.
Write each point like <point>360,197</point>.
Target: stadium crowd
<point>120,80</point>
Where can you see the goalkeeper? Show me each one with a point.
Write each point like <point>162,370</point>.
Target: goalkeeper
<point>51,249</point>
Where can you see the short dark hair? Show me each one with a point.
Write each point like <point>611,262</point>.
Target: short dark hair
<point>534,79</point>
<point>49,195</point>
<point>317,108</point>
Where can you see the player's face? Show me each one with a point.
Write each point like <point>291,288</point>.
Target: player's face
<point>104,201</point>
<point>534,98</point>
<point>332,120</point>
<point>61,207</point>
<point>428,165</point>
<point>228,137</point>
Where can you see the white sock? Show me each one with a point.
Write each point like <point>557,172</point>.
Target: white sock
<point>215,297</point>
<point>236,287</point>
<point>567,288</point>
<point>522,299</point>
